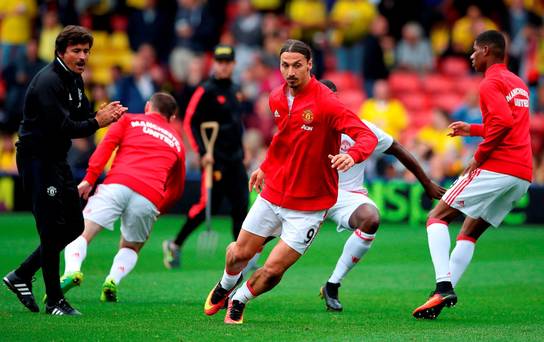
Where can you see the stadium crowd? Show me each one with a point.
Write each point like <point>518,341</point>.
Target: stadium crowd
<point>402,65</point>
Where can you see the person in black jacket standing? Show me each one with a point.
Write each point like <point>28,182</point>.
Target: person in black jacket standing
<point>55,111</point>
<point>218,99</point>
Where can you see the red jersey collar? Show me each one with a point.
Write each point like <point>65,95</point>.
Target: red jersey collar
<point>494,69</point>
<point>306,89</point>
<point>157,114</point>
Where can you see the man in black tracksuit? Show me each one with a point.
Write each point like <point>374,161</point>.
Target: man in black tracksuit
<point>55,111</point>
<point>218,99</point>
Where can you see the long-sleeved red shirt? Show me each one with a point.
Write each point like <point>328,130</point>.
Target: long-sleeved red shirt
<point>504,102</point>
<point>298,172</point>
<point>150,158</point>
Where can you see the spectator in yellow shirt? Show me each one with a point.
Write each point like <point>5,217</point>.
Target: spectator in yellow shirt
<point>309,21</point>
<point>7,154</point>
<point>351,20</point>
<point>388,114</point>
<point>468,27</point>
<point>50,30</point>
<point>15,28</point>
<point>445,151</point>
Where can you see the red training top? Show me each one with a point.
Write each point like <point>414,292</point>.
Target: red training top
<point>150,159</point>
<point>504,101</point>
<point>298,172</point>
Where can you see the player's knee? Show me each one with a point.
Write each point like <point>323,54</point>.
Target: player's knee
<point>367,219</point>
<point>135,246</point>
<point>240,254</point>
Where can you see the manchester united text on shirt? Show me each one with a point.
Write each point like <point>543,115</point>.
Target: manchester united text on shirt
<point>158,132</point>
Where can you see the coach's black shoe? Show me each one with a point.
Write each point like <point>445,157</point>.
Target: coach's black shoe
<point>23,290</point>
<point>434,305</point>
<point>329,292</point>
<point>61,308</point>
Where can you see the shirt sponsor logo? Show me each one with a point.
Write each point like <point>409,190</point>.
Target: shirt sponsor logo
<point>307,128</point>
<point>307,116</point>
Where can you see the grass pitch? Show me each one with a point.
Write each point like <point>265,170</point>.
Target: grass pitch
<point>501,296</point>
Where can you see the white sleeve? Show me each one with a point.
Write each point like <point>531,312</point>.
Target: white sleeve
<point>384,140</point>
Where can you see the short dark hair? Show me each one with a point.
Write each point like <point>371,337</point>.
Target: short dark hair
<point>293,45</point>
<point>330,84</point>
<point>72,35</point>
<point>494,40</point>
<point>164,103</point>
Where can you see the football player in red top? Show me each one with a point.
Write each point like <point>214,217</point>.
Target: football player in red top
<point>147,176</point>
<point>297,182</point>
<point>498,175</point>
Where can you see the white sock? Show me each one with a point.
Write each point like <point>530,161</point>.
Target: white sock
<point>251,264</point>
<point>439,246</point>
<point>229,281</point>
<point>355,248</point>
<point>74,254</point>
<point>460,257</point>
<point>123,263</point>
<point>244,293</point>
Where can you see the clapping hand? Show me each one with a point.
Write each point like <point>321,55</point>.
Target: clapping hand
<point>109,113</point>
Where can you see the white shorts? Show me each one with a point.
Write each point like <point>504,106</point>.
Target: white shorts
<point>112,201</point>
<point>485,194</point>
<point>346,204</point>
<point>296,228</point>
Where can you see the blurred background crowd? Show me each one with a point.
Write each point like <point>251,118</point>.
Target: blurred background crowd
<point>403,65</point>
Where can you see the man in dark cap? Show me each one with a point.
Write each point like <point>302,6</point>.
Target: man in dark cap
<point>217,99</point>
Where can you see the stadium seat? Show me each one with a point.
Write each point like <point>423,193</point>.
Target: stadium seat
<point>353,99</point>
<point>401,82</point>
<point>454,67</point>
<point>419,119</point>
<point>119,42</point>
<point>125,61</point>
<point>101,75</point>
<point>438,84</point>
<point>414,102</point>
<point>101,41</point>
<point>344,80</point>
<point>448,102</point>
<point>465,84</point>
<point>98,59</point>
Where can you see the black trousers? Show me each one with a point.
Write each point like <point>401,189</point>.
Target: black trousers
<point>230,185</point>
<point>57,211</point>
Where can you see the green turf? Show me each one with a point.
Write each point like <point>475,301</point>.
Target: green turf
<point>501,296</point>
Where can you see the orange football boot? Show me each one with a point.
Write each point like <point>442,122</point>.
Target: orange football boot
<point>235,312</point>
<point>434,305</point>
<point>216,299</point>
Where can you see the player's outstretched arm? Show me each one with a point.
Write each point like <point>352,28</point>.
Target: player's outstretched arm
<point>432,189</point>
